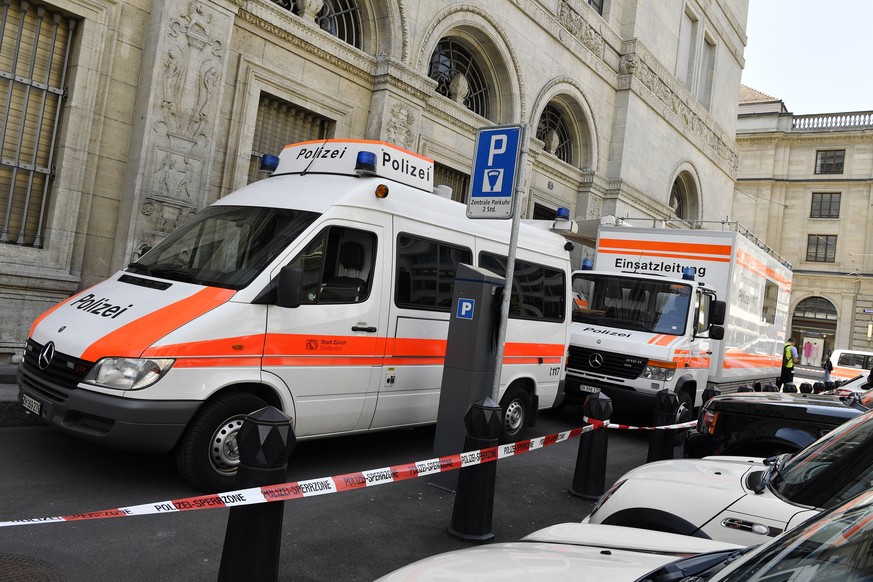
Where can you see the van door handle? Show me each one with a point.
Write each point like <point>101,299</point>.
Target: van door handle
<point>367,328</point>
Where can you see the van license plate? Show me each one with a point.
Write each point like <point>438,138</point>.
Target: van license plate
<point>592,389</point>
<point>32,405</point>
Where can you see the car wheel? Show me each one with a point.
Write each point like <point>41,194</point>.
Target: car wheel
<point>516,414</point>
<point>684,414</point>
<point>207,456</point>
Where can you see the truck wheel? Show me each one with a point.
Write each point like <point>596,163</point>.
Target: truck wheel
<point>684,414</point>
<point>207,454</point>
<point>516,414</point>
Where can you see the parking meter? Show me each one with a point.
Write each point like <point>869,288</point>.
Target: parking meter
<point>471,351</point>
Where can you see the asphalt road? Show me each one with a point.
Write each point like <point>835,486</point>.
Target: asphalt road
<point>356,535</point>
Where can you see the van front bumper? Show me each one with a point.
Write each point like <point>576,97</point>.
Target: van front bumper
<point>146,426</point>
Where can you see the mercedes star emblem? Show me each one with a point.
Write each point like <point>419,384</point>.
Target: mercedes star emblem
<point>46,355</point>
<point>595,360</point>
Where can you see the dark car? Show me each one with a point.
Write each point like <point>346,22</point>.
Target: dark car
<point>763,424</point>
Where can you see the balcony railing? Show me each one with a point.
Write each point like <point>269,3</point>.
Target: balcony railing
<point>852,120</point>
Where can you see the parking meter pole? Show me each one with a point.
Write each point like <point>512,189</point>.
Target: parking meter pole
<point>474,500</point>
<point>469,364</point>
<point>254,532</point>
<point>661,441</point>
<point>589,479</point>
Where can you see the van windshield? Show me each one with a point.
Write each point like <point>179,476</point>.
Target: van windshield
<point>224,246</point>
<point>629,303</point>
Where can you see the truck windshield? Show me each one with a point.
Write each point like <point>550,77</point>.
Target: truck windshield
<point>631,303</point>
<point>224,246</point>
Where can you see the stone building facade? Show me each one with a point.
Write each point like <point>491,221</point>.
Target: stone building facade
<point>126,117</point>
<point>805,186</point>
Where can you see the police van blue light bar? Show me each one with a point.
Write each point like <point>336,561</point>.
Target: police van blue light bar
<point>587,264</point>
<point>688,273</point>
<point>365,163</point>
<point>269,162</point>
<point>562,213</point>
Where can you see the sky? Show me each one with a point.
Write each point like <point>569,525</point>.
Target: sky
<point>815,56</point>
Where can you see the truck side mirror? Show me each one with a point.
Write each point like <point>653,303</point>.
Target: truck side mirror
<point>717,312</point>
<point>716,332</point>
<point>290,286</point>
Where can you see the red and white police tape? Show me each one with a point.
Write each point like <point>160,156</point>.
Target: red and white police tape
<point>608,424</point>
<point>326,485</point>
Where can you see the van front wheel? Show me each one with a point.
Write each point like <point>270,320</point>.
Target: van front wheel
<point>207,455</point>
<point>516,414</point>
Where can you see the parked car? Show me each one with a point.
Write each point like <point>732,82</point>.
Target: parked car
<point>833,547</point>
<point>856,385</point>
<point>763,424</point>
<point>743,500</point>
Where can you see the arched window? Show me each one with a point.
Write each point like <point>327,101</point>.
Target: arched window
<point>453,66</point>
<point>816,308</point>
<point>678,197</point>
<point>554,131</point>
<point>341,18</point>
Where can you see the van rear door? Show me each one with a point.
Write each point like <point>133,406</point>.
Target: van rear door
<point>329,350</point>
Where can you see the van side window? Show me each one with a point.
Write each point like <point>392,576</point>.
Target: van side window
<point>337,266</point>
<point>538,292</point>
<point>425,277</point>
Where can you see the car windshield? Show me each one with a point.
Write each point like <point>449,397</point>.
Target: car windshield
<point>832,547</point>
<point>831,470</point>
<point>224,246</point>
<point>629,303</point>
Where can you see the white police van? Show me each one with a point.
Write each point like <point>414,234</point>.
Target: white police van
<point>323,290</point>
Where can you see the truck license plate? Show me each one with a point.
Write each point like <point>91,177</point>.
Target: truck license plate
<point>32,405</point>
<point>592,389</point>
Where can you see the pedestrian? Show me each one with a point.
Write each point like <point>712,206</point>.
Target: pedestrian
<point>789,359</point>
<point>828,368</point>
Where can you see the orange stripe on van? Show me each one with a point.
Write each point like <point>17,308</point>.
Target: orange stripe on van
<point>132,339</point>
<point>661,255</point>
<point>683,248</point>
<point>250,345</point>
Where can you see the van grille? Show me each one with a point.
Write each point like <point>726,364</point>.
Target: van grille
<point>58,380</point>
<point>615,365</point>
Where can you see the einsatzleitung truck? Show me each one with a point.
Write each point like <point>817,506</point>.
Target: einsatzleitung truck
<point>324,290</point>
<point>649,316</point>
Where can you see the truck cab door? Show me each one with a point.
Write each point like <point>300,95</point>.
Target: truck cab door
<point>329,349</point>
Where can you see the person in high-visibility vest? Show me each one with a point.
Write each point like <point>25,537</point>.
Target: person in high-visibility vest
<point>789,359</point>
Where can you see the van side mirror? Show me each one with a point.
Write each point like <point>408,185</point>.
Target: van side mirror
<point>717,312</point>
<point>290,286</point>
<point>716,332</point>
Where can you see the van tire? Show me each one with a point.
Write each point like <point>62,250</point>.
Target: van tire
<point>207,455</point>
<point>684,414</point>
<point>516,408</point>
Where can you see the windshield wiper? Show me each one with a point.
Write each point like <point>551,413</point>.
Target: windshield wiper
<point>174,274</point>
<point>139,268</point>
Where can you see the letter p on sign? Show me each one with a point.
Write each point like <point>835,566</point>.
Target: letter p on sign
<point>498,146</point>
<point>466,308</point>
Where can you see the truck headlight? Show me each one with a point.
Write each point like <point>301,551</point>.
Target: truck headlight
<point>128,373</point>
<point>659,373</point>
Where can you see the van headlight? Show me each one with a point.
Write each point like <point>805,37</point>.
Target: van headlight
<point>658,373</point>
<point>128,373</point>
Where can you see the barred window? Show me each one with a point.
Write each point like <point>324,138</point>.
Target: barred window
<point>34,50</point>
<point>459,182</point>
<point>555,133</point>
<point>829,161</point>
<point>825,205</point>
<point>341,18</point>
<point>821,248</point>
<point>454,67</point>
<point>281,123</point>
<point>816,308</point>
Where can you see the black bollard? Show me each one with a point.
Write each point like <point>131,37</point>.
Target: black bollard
<point>771,387</point>
<point>818,387</point>
<point>474,500</point>
<point>830,385</point>
<point>745,388</point>
<point>710,392</point>
<point>756,387</point>
<point>789,387</point>
<point>254,532</point>
<point>589,478</point>
<point>661,442</point>
<point>806,388</point>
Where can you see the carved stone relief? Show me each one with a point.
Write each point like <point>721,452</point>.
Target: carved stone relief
<point>581,29</point>
<point>399,128</point>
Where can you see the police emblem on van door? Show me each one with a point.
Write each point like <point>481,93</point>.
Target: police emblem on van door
<point>46,355</point>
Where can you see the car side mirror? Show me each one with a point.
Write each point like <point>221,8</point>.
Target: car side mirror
<point>717,313</point>
<point>290,286</point>
<point>716,332</point>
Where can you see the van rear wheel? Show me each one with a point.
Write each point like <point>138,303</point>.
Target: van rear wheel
<point>207,456</point>
<point>516,407</point>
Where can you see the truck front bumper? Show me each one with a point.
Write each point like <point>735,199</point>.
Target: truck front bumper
<point>623,398</point>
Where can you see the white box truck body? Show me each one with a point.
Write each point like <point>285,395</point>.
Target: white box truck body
<point>640,327</point>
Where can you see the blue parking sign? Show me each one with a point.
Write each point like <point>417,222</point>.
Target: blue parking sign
<point>466,307</point>
<point>495,169</point>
